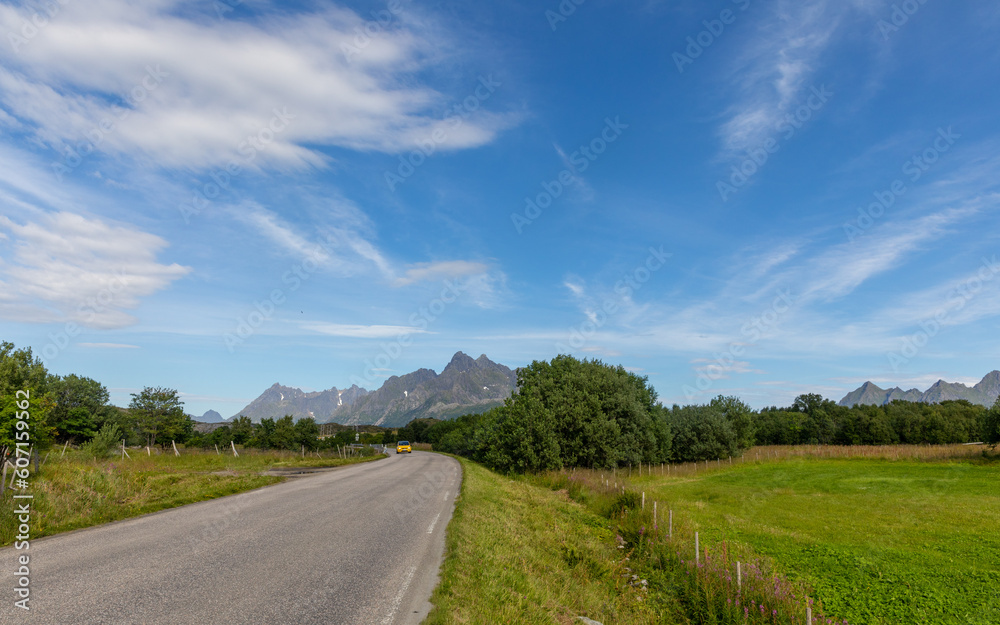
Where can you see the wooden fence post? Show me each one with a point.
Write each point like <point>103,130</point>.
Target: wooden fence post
<point>739,576</point>
<point>176,453</point>
<point>697,555</point>
<point>233,443</point>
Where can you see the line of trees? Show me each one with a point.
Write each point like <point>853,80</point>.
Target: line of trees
<point>74,408</point>
<point>566,413</point>
<point>811,419</point>
<point>569,413</point>
<point>77,409</point>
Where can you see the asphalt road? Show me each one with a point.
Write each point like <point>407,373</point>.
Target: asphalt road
<point>358,545</point>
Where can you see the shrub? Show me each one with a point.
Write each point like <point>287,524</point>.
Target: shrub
<point>108,438</point>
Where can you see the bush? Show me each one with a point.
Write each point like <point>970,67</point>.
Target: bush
<point>702,433</point>
<point>108,438</point>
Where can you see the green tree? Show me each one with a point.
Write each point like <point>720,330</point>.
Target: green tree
<point>79,403</point>
<point>702,433</point>
<point>741,416</point>
<point>263,434</point>
<point>159,415</point>
<point>284,433</point>
<point>307,433</point>
<point>21,375</point>
<point>991,425</point>
<point>242,429</point>
<point>20,371</point>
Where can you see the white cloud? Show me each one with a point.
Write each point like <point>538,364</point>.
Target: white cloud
<point>773,73</point>
<point>713,369</point>
<point>341,243</point>
<point>107,345</point>
<point>201,86</point>
<point>844,267</point>
<point>67,267</point>
<point>362,331</point>
<point>422,272</point>
<point>575,288</point>
<point>272,227</point>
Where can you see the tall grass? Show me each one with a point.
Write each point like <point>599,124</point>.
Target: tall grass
<point>517,553</point>
<point>803,484</point>
<point>706,581</point>
<point>77,490</point>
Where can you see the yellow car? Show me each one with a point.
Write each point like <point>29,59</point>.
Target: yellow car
<point>403,447</point>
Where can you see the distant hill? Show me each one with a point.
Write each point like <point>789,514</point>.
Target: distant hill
<point>984,393</point>
<point>465,385</point>
<point>210,417</point>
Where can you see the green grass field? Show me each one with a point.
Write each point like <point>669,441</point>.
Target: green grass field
<point>880,541</point>
<point>521,553</point>
<point>76,491</point>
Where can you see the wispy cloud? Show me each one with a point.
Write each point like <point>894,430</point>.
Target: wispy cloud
<point>421,272</point>
<point>362,331</point>
<point>67,267</point>
<point>219,81</point>
<point>775,69</point>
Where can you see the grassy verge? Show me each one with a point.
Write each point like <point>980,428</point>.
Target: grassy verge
<point>520,553</point>
<point>75,491</point>
<point>874,540</point>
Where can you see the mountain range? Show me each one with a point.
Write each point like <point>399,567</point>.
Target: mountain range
<point>983,393</point>
<point>465,385</point>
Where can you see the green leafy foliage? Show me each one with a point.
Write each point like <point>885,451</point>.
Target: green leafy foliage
<point>566,413</point>
<point>107,439</point>
<point>81,404</point>
<point>991,425</point>
<point>159,416</point>
<point>702,433</point>
<point>21,375</point>
<point>814,420</point>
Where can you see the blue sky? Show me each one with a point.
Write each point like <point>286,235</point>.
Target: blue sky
<point>752,198</point>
